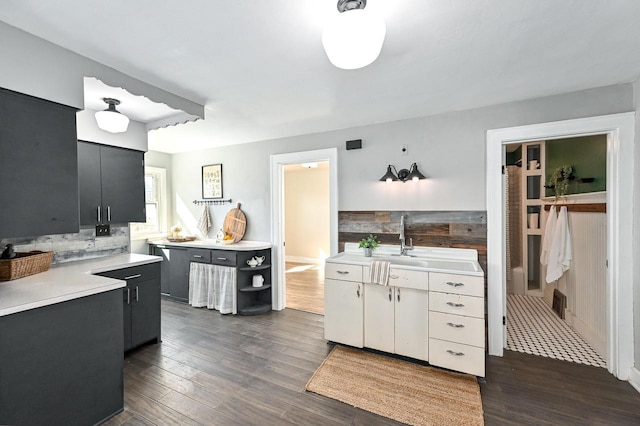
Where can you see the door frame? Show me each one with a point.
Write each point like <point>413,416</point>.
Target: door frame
<point>619,129</point>
<point>278,161</point>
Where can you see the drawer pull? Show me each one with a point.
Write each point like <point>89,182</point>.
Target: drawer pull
<point>130,277</point>
<point>449,351</point>
<point>128,296</point>
<point>394,277</point>
<point>456,305</point>
<point>137,298</point>
<point>343,272</point>
<point>197,256</point>
<point>452,284</point>
<point>222,258</point>
<point>450,324</point>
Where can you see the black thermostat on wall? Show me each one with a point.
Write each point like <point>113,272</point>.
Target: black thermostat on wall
<point>354,144</point>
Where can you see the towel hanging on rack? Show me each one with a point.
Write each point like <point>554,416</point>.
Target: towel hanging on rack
<point>561,251</point>
<point>204,224</point>
<point>548,235</point>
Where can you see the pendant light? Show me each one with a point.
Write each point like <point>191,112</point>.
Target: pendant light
<point>111,120</point>
<point>354,38</point>
<point>402,175</point>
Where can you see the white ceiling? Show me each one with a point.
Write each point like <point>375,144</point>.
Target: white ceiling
<point>260,68</point>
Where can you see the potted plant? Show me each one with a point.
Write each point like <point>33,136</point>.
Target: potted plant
<point>559,180</point>
<point>368,244</point>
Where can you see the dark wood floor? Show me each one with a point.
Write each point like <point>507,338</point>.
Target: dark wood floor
<point>212,369</point>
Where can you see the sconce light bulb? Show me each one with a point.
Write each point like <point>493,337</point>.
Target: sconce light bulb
<point>415,178</point>
<point>389,180</point>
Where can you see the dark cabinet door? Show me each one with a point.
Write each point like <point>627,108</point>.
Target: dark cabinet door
<point>145,311</point>
<point>122,185</point>
<point>179,275</point>
<point>126,315</point>
<point>38,167</point>
<point>165,266</point>
<point>89,183</point>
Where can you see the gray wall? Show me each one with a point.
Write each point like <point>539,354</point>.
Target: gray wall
<point>449,148</point>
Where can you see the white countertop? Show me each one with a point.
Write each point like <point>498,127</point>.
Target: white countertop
<point>66,281</point>
<point>211,244</point>
<point>432,259</point>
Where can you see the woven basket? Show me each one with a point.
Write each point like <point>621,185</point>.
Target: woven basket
<point>25,264</point>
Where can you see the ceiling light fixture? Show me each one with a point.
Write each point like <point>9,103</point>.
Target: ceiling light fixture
<point>111,120</point>
<point>353,39</point>
<point>402,175</point>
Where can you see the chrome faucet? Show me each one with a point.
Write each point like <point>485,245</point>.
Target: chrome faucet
<point>403,246</point>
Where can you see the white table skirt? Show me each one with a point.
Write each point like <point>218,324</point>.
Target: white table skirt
<point>213,286</point>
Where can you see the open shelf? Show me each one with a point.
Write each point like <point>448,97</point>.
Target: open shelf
<point>259,309</point>
<point>251,288</point>
<point>255,268</point>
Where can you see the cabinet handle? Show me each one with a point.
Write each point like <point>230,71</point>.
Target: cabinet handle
<point>450,324</point>
<point>137,299</point>
<point>449,351</point>
<point>455,305</point>
<point>128,296</point>
<point>108,213</point>
<point>358,291</point>
<point>197,256</point>
<point>220,258</point>
<point>398,291</point>
<point>99,214</point>
<point>390,294</point>
<point>343,272</point>
<point>130,277</point>
<point>394,277</point>
<point>455,284</point>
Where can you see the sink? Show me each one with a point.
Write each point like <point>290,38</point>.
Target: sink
<point>432,264</point>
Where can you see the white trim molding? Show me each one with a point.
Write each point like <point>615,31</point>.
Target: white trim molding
<point>634,378</point>
<point>619,129</point>
<point>277,211</point>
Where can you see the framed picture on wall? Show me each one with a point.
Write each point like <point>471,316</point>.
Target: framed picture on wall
<point>212,181</point>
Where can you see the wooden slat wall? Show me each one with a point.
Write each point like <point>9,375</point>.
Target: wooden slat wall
<point>456,229</point>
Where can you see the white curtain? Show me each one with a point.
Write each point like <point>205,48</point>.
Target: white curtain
<point>213,286</point>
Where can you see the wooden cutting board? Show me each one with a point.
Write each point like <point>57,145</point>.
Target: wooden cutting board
<point>235,223</point>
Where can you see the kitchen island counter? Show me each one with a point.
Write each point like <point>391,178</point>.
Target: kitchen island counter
<point>66,281</point>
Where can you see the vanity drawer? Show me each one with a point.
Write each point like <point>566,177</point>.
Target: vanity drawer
<point>224,258</point>
<point>457,328</point>
<point>343,272</point>
<point>405,278</point>
<point>456,356</point>
<point>456,304</point>
<point>458,284</point>
<point>199,255</point>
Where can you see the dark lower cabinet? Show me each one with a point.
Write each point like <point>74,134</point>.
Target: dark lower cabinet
<point>141,303</point>
<point>62,364</point>
<point>175,271</point>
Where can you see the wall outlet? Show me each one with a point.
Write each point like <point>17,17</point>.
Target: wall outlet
<point>103,230</point>
<point>404,150</point>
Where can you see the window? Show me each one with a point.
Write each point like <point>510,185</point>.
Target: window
<point>155,201</point>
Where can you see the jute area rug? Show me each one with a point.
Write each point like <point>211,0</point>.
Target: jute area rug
<point>399,390</point>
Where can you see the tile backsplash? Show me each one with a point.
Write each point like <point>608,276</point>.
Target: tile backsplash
<point>77,246</point>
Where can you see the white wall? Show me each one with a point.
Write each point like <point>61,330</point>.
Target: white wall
<point>307,214</point>
<point>636,230</point>
<point>39,68</point>
<point>449,148</point>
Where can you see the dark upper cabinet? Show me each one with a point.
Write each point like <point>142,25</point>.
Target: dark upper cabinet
<point>111,184</point>
<point>38,167</point>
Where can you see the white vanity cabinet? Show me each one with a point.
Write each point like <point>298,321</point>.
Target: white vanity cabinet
<point>396,317</point>
<point>456,322</point>
<point>344,304</point>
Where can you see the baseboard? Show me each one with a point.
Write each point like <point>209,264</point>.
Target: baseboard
<point>587,333</point>
<point>300,259</point>
<point>634,378</point>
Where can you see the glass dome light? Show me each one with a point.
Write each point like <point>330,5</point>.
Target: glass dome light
<point>111,120</point>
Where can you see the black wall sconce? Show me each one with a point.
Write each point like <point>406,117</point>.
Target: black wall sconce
<point>402,175</point>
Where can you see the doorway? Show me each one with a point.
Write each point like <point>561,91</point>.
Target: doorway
<point>619,130</point>
<point>278,220</point>
<point>561,317</point>
<point>306,229</point>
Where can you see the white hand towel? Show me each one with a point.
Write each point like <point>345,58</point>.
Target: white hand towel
<point>549,228</point>
<point>204,224</point>
<point>561,250</point>
<point>379,272</point>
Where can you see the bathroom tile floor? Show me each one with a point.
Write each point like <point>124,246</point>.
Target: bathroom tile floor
<point>533,328</point>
